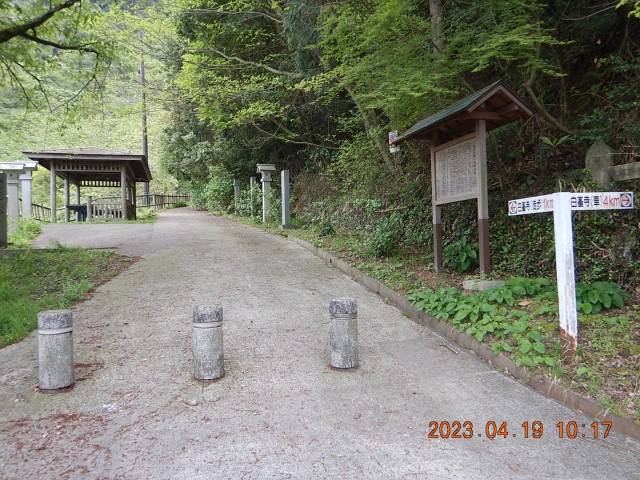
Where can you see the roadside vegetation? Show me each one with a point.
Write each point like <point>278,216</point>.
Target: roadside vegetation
<point>48,279</point>
<point>518,320</point>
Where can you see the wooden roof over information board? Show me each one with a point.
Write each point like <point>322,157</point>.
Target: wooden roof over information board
<point>89,160</point>
<point>498,104</point>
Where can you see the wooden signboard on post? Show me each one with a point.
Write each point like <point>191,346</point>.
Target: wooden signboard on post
<point>459,155</point>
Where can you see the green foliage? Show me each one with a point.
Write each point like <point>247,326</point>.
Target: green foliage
<point>485,314</point>
<point>494,312</point>
<point>250,202</point>
<point>593,298</point>
<point>324,229</point>
<point>214,195</point>
<point>64,42</point>
<point>461,255</point>
<point>635,4</point>
<point>382,241</point>
<point>146,215</point>
<point>26,233</point>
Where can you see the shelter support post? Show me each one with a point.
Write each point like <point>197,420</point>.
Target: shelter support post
<point>52,191</point>
<point>67,214</point>
<point>134,205</point>
<point>483,200</point>
<point>123,190</point>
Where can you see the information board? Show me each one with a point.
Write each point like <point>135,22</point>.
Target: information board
<point>456,172</point>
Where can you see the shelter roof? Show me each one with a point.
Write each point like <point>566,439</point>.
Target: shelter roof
<point>497,103</point>
<point>91,157</point>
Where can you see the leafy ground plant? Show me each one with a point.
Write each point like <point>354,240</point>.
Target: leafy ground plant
<point>461,255</point>
<point>519,320</point>
<point>48,279</point>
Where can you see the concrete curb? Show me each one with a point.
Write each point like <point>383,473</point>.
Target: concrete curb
<point>541,384</point>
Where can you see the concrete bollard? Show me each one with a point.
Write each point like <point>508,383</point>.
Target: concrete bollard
<point>55,349</point>
<point>344,333</point>
<point>207,342</point>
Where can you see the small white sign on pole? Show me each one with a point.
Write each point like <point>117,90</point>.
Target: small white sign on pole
<point>562,204</point>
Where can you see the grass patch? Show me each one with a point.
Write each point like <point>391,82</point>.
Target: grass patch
<point>48,280</point>
<point>26,233</point>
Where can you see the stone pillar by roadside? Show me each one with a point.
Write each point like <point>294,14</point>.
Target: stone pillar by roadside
<point>3,209</point>
<point>26,179</point>
<point>598,160</point>
<point>89,208</point>
<point>208,354</point>
<point>13,198</point>
<point>55,349</point>
<point>286,213</point>
<point>236,193</point>
<point>252,183</point>
<point>344,333</point>
<point>265,170</point>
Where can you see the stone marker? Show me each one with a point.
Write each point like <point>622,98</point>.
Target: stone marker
<point>286,213</point>
<point>266,169</point>
<point>481,285</point>
<point>344,333</point>
<point>90,208</point>
<point>55,349</point>
<point>207,342</point>
<point>252,182</point>
<point>628,171</point>
<point>26,180</point>
<point>13,195</point>
<point>599,159</point>
<point>236,193</point>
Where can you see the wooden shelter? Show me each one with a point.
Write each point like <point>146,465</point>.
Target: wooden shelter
<point>95,167</point>
<point>457,136</point>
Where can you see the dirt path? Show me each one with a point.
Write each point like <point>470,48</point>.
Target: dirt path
<point>280,412</point>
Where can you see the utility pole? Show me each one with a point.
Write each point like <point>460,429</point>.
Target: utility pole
<point>145,144</point>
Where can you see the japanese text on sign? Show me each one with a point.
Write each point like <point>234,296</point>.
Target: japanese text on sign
<point>578,201</point>
<point>456,174</point>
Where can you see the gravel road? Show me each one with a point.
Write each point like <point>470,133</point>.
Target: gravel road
<point>279,412</point>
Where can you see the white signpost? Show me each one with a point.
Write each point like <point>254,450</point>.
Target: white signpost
<point>562,204</point>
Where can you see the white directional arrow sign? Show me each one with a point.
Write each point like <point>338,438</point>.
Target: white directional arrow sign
<point>562,204</point>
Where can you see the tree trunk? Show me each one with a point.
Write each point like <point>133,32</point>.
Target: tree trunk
<point>370,122</point>
<point>435,9</point>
